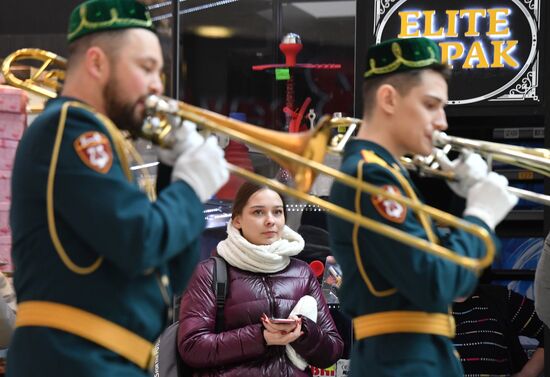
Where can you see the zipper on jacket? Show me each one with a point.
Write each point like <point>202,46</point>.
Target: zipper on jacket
<point>280,350</point>
<point>270,297</point>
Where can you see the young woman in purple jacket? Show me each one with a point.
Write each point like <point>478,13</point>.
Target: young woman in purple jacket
<point>264,282</point>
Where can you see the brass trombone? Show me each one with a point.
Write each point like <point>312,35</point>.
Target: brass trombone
<point>46,81</point>
<point>301,154</point>
<point>533,159</point>
<point>305,151</point>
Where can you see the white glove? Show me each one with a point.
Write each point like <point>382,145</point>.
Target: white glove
<point>187,138</point>
<point>203,168</point>
<point>489,200</point>
<point>469,169</point>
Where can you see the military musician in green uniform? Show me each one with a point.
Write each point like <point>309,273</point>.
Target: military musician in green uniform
<point>397,295</point>
<point>97,260</point>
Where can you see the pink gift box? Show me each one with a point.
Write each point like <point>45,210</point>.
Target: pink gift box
<point>5,185</point>
<point>12,125</point>
<point>13,100</point>
<point>5,219</point>
<point>5,254</point>
<point>7,153</point>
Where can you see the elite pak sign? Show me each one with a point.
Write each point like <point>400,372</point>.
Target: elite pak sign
<point>491,45</point>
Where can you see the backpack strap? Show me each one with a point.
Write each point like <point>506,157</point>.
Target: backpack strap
<point>219,285</point>
<point>167,361</point>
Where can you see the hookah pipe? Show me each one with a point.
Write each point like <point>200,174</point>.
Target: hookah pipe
<point>290,46</point>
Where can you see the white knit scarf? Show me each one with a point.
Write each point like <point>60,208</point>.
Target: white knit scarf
<point>240,253</point>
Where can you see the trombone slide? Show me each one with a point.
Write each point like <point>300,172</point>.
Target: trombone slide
<point>534,159</point>
<point>423,169</point>
<point>529,195</point>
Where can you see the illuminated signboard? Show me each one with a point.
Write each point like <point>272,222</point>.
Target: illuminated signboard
<point>490,44</point>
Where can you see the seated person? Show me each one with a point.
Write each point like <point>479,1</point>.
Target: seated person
<point>313,228</point>
<point>264,282</point>
<point>488,324</point>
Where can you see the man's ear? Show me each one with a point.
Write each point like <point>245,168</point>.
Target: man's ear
<point>97,63</point>
<point>386,97</point>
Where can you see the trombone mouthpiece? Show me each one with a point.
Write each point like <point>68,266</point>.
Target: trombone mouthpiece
<point>151,101</point>
<point>161,120</point>
<point>440,138</point>
<point>158,104</point>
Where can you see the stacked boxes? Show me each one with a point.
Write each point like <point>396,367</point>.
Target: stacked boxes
<point>13,121</point>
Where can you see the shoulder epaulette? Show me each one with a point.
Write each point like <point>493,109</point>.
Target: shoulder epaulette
<point>372,158</point>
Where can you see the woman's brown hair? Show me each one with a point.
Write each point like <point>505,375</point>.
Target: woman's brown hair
<point>246,190</point>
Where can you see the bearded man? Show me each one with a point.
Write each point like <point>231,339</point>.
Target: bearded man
<point>96,259</point>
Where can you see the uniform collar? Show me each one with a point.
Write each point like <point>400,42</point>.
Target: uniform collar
<point>357,145</point>
<point>62,99</point>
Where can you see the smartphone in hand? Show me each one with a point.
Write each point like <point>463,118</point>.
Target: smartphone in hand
<point>283,321</point>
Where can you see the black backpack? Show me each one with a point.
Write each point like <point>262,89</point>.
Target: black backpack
<point>168,362</point>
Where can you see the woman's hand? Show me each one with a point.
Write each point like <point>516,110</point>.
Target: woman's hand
<point>279,334</point>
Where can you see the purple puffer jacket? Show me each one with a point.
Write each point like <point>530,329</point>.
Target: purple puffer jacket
<point>240,350</point>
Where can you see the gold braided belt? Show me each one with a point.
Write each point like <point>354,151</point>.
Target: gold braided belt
<point>88,326</point>
<point>403,322</point>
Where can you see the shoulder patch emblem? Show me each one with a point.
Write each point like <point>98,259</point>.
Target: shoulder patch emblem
<point>390,209</point>
<point>94,149</point>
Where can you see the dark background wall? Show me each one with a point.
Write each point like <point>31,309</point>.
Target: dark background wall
<point>33,16</point>
<point>34,23</point>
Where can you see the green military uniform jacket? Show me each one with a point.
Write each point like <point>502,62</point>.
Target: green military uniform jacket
<point>398,277</point>
<point>116,244</point>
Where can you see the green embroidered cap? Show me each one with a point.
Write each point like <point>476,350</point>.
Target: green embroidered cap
<point>401,55</point>
<point>100,15</point>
